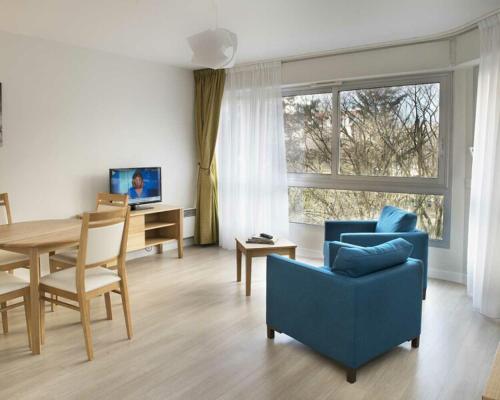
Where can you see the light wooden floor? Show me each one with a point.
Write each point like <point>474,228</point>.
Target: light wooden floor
<point>198,337</point>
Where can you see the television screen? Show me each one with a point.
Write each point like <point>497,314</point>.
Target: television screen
<point>143,185</point>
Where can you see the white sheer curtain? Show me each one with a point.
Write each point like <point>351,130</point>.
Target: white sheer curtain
<point>251,160</point>
<point>483,260</point>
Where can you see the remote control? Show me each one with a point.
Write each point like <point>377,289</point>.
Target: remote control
<point>266,236</point>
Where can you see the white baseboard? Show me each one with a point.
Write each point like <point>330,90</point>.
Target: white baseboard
<point>434,273</point>
<point>154,250</point>
<point>450,276</point>
<point>309,253</point>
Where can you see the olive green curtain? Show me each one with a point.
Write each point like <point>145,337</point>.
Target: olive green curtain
<point>209,88</point>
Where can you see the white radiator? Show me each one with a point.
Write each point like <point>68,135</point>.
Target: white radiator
<point>189,217</point>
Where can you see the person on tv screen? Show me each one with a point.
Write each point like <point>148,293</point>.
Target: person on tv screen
<point>138,190</point>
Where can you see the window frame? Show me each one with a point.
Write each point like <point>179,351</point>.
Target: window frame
<point>441,185</point>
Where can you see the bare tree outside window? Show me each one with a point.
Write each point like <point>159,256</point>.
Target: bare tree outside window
<point>308,133</point>
<point>314,206</point>
<point>391,132</point>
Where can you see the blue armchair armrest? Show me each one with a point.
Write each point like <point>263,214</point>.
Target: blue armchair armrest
<point>419,239</point>
<point>351,320</point>
<point>333,229</point>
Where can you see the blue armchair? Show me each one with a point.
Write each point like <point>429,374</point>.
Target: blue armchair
<point>351,320</point>
<point>373,233</point>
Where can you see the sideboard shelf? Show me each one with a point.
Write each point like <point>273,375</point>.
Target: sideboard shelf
<point>156,226</point>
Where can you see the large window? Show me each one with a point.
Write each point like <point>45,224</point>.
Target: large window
<point>308,121</point>
<point>355,147</point>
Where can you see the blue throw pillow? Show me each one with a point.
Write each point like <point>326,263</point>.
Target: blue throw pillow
<point>330,250</point>
<point>359,261</point>
<point>393,219</point>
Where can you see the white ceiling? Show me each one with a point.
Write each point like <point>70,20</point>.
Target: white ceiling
<point>267,29</point>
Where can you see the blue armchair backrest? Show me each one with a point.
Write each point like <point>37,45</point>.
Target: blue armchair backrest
<point>393,219</point>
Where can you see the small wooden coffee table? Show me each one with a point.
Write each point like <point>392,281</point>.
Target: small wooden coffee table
<point>283,246</point>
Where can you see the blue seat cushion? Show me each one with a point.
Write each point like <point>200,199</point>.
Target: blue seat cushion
<point>393,219</point>
<point>359,261</point>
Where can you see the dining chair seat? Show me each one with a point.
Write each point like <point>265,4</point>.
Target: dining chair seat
<point>11,283</point>
<point>95,278</point>
<point>9,258</point>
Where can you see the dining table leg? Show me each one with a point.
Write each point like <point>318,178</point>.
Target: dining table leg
<point>35,300</point>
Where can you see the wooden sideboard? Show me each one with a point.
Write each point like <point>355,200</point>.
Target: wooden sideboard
<point>156,226</point>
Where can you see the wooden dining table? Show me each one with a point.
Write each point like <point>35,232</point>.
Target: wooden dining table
<point>33,239</point>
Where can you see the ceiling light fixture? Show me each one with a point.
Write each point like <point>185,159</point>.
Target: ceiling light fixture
<point>214,48</point>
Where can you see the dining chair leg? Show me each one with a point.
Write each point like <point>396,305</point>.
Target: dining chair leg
<point>126,308</point>
<point>27,312</point>
<point>85,317</point>
<point>52,269</point>
<point>5,321</point>
<point>109,311</point>
<point>42,318</point>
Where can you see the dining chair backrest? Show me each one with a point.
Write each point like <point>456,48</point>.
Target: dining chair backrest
<point>110,201</point>
<point>5,212</point>
<point>103,239</point>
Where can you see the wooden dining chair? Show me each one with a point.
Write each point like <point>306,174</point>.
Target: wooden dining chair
<point>9,261</point>
<point>67,259</point>
<point>109,201</point>
<point>11,288</point>
<point>103,238</point>
<point>104,202</point>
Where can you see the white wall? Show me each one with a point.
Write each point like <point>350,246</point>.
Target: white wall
<point>69,114</point>
<point>458,55</point>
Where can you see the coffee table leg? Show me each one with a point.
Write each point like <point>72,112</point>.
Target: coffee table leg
<point>292,253</point>
<point>248,259</point>
<point>35,301</point>
<point>238,264</point>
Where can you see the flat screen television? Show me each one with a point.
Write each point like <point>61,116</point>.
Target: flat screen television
<point>143,185</point>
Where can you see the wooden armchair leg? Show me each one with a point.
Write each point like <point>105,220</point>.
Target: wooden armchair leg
<point>415,342</point>
<point>270,332</point>
<point>5,321</point>
<point>351,375</point>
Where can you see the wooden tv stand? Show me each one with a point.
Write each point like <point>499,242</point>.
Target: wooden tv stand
<point>155,226</point>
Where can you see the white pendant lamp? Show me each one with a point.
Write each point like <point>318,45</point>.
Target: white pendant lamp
<point>214,48</point>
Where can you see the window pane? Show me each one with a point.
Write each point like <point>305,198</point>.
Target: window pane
<point>390,131</point>
<point>314,206</point>
<point>308,133</point>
